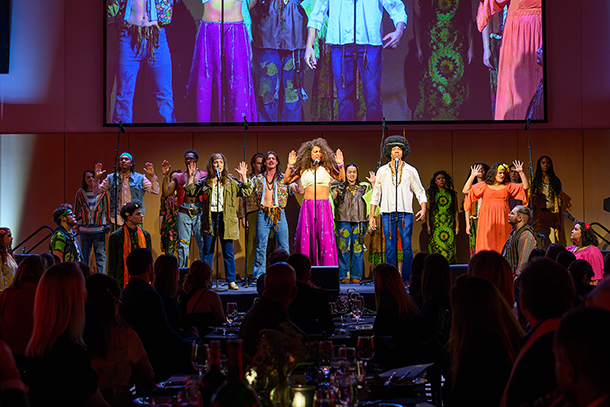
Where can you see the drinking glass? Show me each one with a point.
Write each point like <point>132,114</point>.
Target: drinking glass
<point>357,306</point>
<point>200,357</point>
<point>339,359</point>
<point>366,349</point>
<point>231,313</point>
<point>326,355</point>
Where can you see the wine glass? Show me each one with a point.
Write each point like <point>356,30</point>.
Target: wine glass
<point>200,357</point>
<point>339,357</point>
<point>231,313</point>
<point>357,306</point>
<point>366,349</point>
<point>326,355</point>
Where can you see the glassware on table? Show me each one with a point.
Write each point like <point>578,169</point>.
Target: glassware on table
<point>333,308</point>
<point>199,357</point>
<point>339,359</point>
<point>326,355</point>
<point>231,314</point>
<point>366,349</point>
<point>357,306</point>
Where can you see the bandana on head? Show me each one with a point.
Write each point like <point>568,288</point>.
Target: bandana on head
<point>128,156</point>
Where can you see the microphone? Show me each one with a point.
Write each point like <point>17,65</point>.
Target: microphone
<point>316,162</point>
<point>396,163</point>
<point>79,218</point>
<point>245,121</point>
<point>217,173</point>
<point>569,216</point>
<point>121,128</point>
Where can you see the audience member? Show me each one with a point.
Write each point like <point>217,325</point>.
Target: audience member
<point>554,249</point>
<point>581,272</point>
<point>484,342</point>
<point>277,256</point>
<point>8,265</point>
<point>84,268</point>
<point>64,243</point>
<point>143,310</point>
<point>272,309</point>
<point>436,310</point>
<point>585,247</point>
<point>115,350</point>
<point>126,239</point>
<point>565,258</point>
<point>606,265</point>
<point>59,372</point>
<point>493,267</point>
<point>417,269</point>
<point>536,253</point>
<point>521,240</point>
<point>165,281</point>
<point>600,296</point>
<point>201,307</point>
<point>582,358</point>
<point>17,306</point>
<point>547,292</point>
<point>309,310</point>
<point>399,331</point>
<point>49,260</point>
<point>12,390</point>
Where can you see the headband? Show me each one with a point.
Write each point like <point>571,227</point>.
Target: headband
<point>128,155</point>
<point>64,213</point>
<point>503,167</point>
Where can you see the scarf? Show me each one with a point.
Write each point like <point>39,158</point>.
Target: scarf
<point>127,249</point>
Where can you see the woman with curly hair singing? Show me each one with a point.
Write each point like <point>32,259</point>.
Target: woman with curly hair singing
<point>316,165</point>
<point>493,228</point>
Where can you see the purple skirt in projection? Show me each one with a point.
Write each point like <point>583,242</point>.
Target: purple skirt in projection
<point>325,233</point>
<point>207,74</point>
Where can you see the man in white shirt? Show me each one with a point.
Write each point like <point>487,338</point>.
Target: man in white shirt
<point>385,195</point>
<point>366,45</point>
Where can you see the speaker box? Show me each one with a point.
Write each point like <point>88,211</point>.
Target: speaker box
<point>326,277</point>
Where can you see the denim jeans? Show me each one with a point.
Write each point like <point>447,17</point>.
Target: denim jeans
<point>263,227</point>
<point>129,61</point>
<point>370,72</point>
<point>226,245</point>
<point>350,248</point>
<point>405,228</point>
<point>187,226</point>
<point>98,241</point>
<point>276,71</point>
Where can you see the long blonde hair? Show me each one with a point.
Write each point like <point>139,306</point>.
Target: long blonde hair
<point>59,308</point>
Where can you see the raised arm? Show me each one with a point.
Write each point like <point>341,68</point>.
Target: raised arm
<point>291,175</point>
<point>151,182</point>
<point>524,179</point>
<point>168,186</point>
<point>475,171</point>
<point>340,163</point>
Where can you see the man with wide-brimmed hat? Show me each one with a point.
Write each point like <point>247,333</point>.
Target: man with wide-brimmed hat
<point>397,181</point>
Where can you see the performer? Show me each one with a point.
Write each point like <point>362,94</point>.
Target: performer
<point>132,187</point>
<point>64,243</point>
<point>271,193</point>
<point>8,267</point>
<point>493,227</point>
<point>546,199</point>
<point>350,218</point>
<point>397,172</point>
<point>316,155</point>
<point>142,40</point>
<point>219,192</point>
<point>279,29</point>
<point>248,212</point>
<point>123,241</point>
<point>442,220</point>
<point>223,86</point>
<point>367,48</point>
<point>585,248</point>
<point>478,172</point>
<point>189,206</point>
<point>94,223</point>
<point>518,72</point>
<point>521,240</point>
<point>168,218</point>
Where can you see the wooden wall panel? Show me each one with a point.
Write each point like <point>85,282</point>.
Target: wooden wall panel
<point>596,148</point>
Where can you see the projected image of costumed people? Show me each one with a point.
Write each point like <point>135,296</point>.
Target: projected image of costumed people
<point>142,41</point>
<point>219,192</point>
<point>279,30</point>
<point>518,71</point>
<point>364,48</point>
<point>224,90</point>
<point>395,184</point>
<point>493,227</point>
<point>316,166</point>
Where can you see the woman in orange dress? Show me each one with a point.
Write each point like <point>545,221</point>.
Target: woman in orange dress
<point>493,228</point>
<point>518,72</point>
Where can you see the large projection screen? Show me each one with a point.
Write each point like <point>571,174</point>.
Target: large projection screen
<point>323,61</point>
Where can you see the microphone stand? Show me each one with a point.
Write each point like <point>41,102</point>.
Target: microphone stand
<point>529,147</point>
<point>315,213</point>
<point>384,128</point>
<point>222,61</point>
<point>117,172</point>
<point>246,282</point>
<point>216,231</point>
<point>396,214</point>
